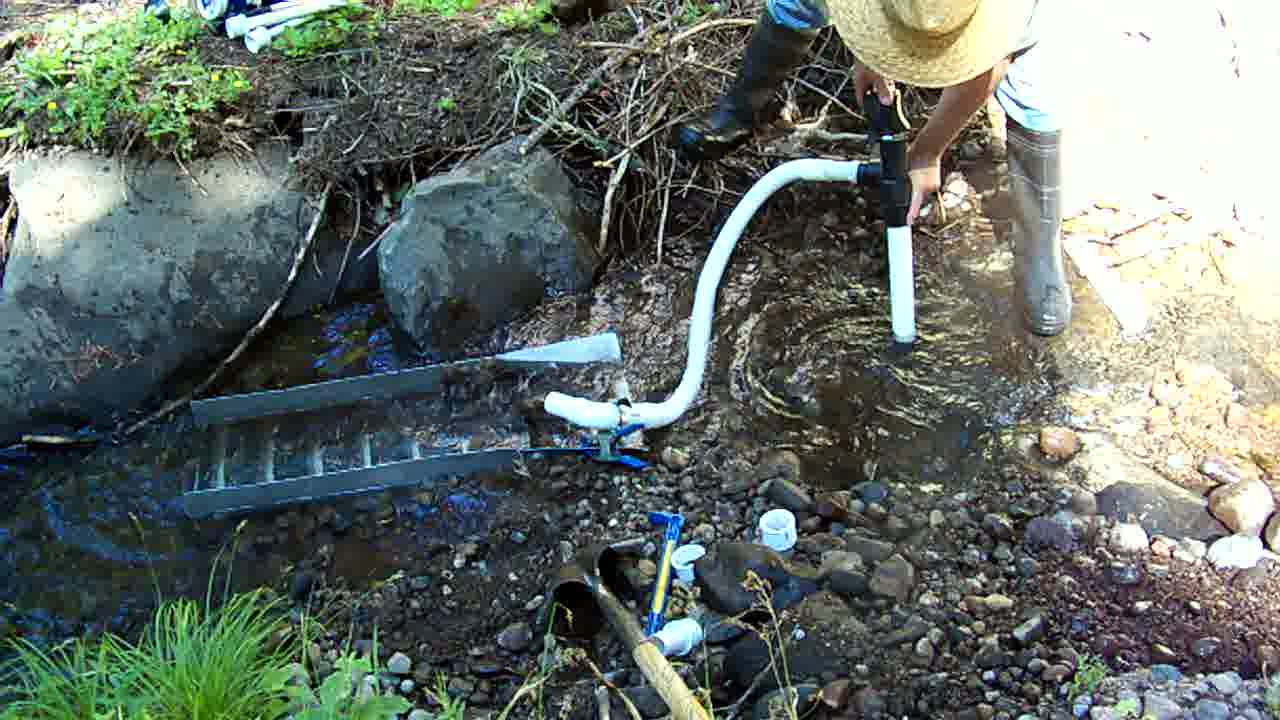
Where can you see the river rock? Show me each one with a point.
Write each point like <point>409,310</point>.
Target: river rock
<point>479,245</point>
<point>1272,533</point>
<point>1160,507</point>
<point>893,578</point>
<point>1236,551</point>
<point>399,664</point>
<point>721,572</point>
<point>124,277</point>
<point>1243,506</point>
<point>1128,538</point>
<point>1059,443</point>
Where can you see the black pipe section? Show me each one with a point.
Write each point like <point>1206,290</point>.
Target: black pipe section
<point>890,174</point>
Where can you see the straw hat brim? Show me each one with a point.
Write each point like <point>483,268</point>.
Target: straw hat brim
<point>897,53</point>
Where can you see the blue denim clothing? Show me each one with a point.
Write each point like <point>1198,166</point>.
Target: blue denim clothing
<point>1024,93</point>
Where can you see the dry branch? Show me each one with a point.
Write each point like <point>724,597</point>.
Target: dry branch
<point>585,86</point>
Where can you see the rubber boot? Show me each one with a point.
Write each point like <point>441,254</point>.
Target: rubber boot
<point>1035,178</point>
<point>772,53</point>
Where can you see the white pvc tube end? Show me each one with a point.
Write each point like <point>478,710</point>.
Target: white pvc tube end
<point>902,291</point>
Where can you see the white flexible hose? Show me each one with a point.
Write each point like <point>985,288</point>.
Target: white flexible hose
<point>604,416</point>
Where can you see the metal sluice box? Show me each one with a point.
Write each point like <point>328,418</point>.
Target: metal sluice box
<point>366,433</point>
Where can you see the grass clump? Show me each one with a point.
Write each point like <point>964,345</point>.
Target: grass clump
<point>126,76</point>
<point>191,663</point>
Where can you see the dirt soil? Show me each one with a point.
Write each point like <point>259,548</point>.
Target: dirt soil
<point>372,118</point>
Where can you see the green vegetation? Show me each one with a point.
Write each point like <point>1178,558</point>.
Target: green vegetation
<point>223,663</point>
<point>524,16</point>
<point>447,104</point>
<point>443,8</point>
<point>1089,675</point>
<point>327,31</point>
<point>693,11</point>
<point>451,708</point>
<point>339,696</point>
<point>133,74</point>
<point>1272,698</point>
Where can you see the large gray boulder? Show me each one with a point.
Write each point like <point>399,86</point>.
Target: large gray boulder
<point>118,279</point>
<point>483,243</point>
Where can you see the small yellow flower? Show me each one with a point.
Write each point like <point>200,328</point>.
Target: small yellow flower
<point>52,106</point>
<point>217,77</point>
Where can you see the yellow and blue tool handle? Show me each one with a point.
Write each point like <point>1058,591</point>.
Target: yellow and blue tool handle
<point>662,583</point>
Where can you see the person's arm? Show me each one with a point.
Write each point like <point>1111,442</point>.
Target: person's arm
<point>955,109</point>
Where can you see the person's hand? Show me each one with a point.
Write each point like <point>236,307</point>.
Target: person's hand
<point>865,79</point>
<point>925,171</point>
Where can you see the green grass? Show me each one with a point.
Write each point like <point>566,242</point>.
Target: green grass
<point>443,8</point>
<point>123,77</point>
<point>191,663</point>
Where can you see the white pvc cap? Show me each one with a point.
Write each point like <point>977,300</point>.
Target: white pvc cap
<point>778,530</point>
<point>678,637</point>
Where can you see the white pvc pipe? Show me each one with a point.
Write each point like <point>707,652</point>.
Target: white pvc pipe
<point>902,291</point>
<point>260,37</point>
<point>603,416</point>
<point>239,25</point>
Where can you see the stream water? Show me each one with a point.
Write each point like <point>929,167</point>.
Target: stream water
<point>94,538</point>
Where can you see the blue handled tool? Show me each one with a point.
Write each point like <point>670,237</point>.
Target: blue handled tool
<point>672,523</point>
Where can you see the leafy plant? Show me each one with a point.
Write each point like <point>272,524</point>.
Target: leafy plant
<point>523,16</point>
<point>133,72</point>
<point>326,31</point>
<point>447,104</point>
<point>1089,675</point>
<point>339,697</point>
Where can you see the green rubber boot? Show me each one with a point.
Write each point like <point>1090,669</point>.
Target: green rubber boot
<point>1035,178</point>
<point>772,53</point>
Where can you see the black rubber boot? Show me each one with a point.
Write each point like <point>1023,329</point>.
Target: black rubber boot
<point>1035,177</point>
<point>772,53</point>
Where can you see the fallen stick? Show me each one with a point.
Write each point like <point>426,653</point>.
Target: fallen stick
<point>253,333</point>
<point>564,106</point>
<point>342,269</point>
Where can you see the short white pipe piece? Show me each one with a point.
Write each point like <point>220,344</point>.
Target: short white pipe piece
<point>902,291</point>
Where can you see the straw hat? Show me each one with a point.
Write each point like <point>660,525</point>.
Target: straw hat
<point>931,43</point>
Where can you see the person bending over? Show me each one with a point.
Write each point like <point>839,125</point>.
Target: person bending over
<point>971,49</point>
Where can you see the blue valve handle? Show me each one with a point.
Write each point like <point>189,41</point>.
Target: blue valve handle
<point>603,450</point>
<point>674,523</point>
